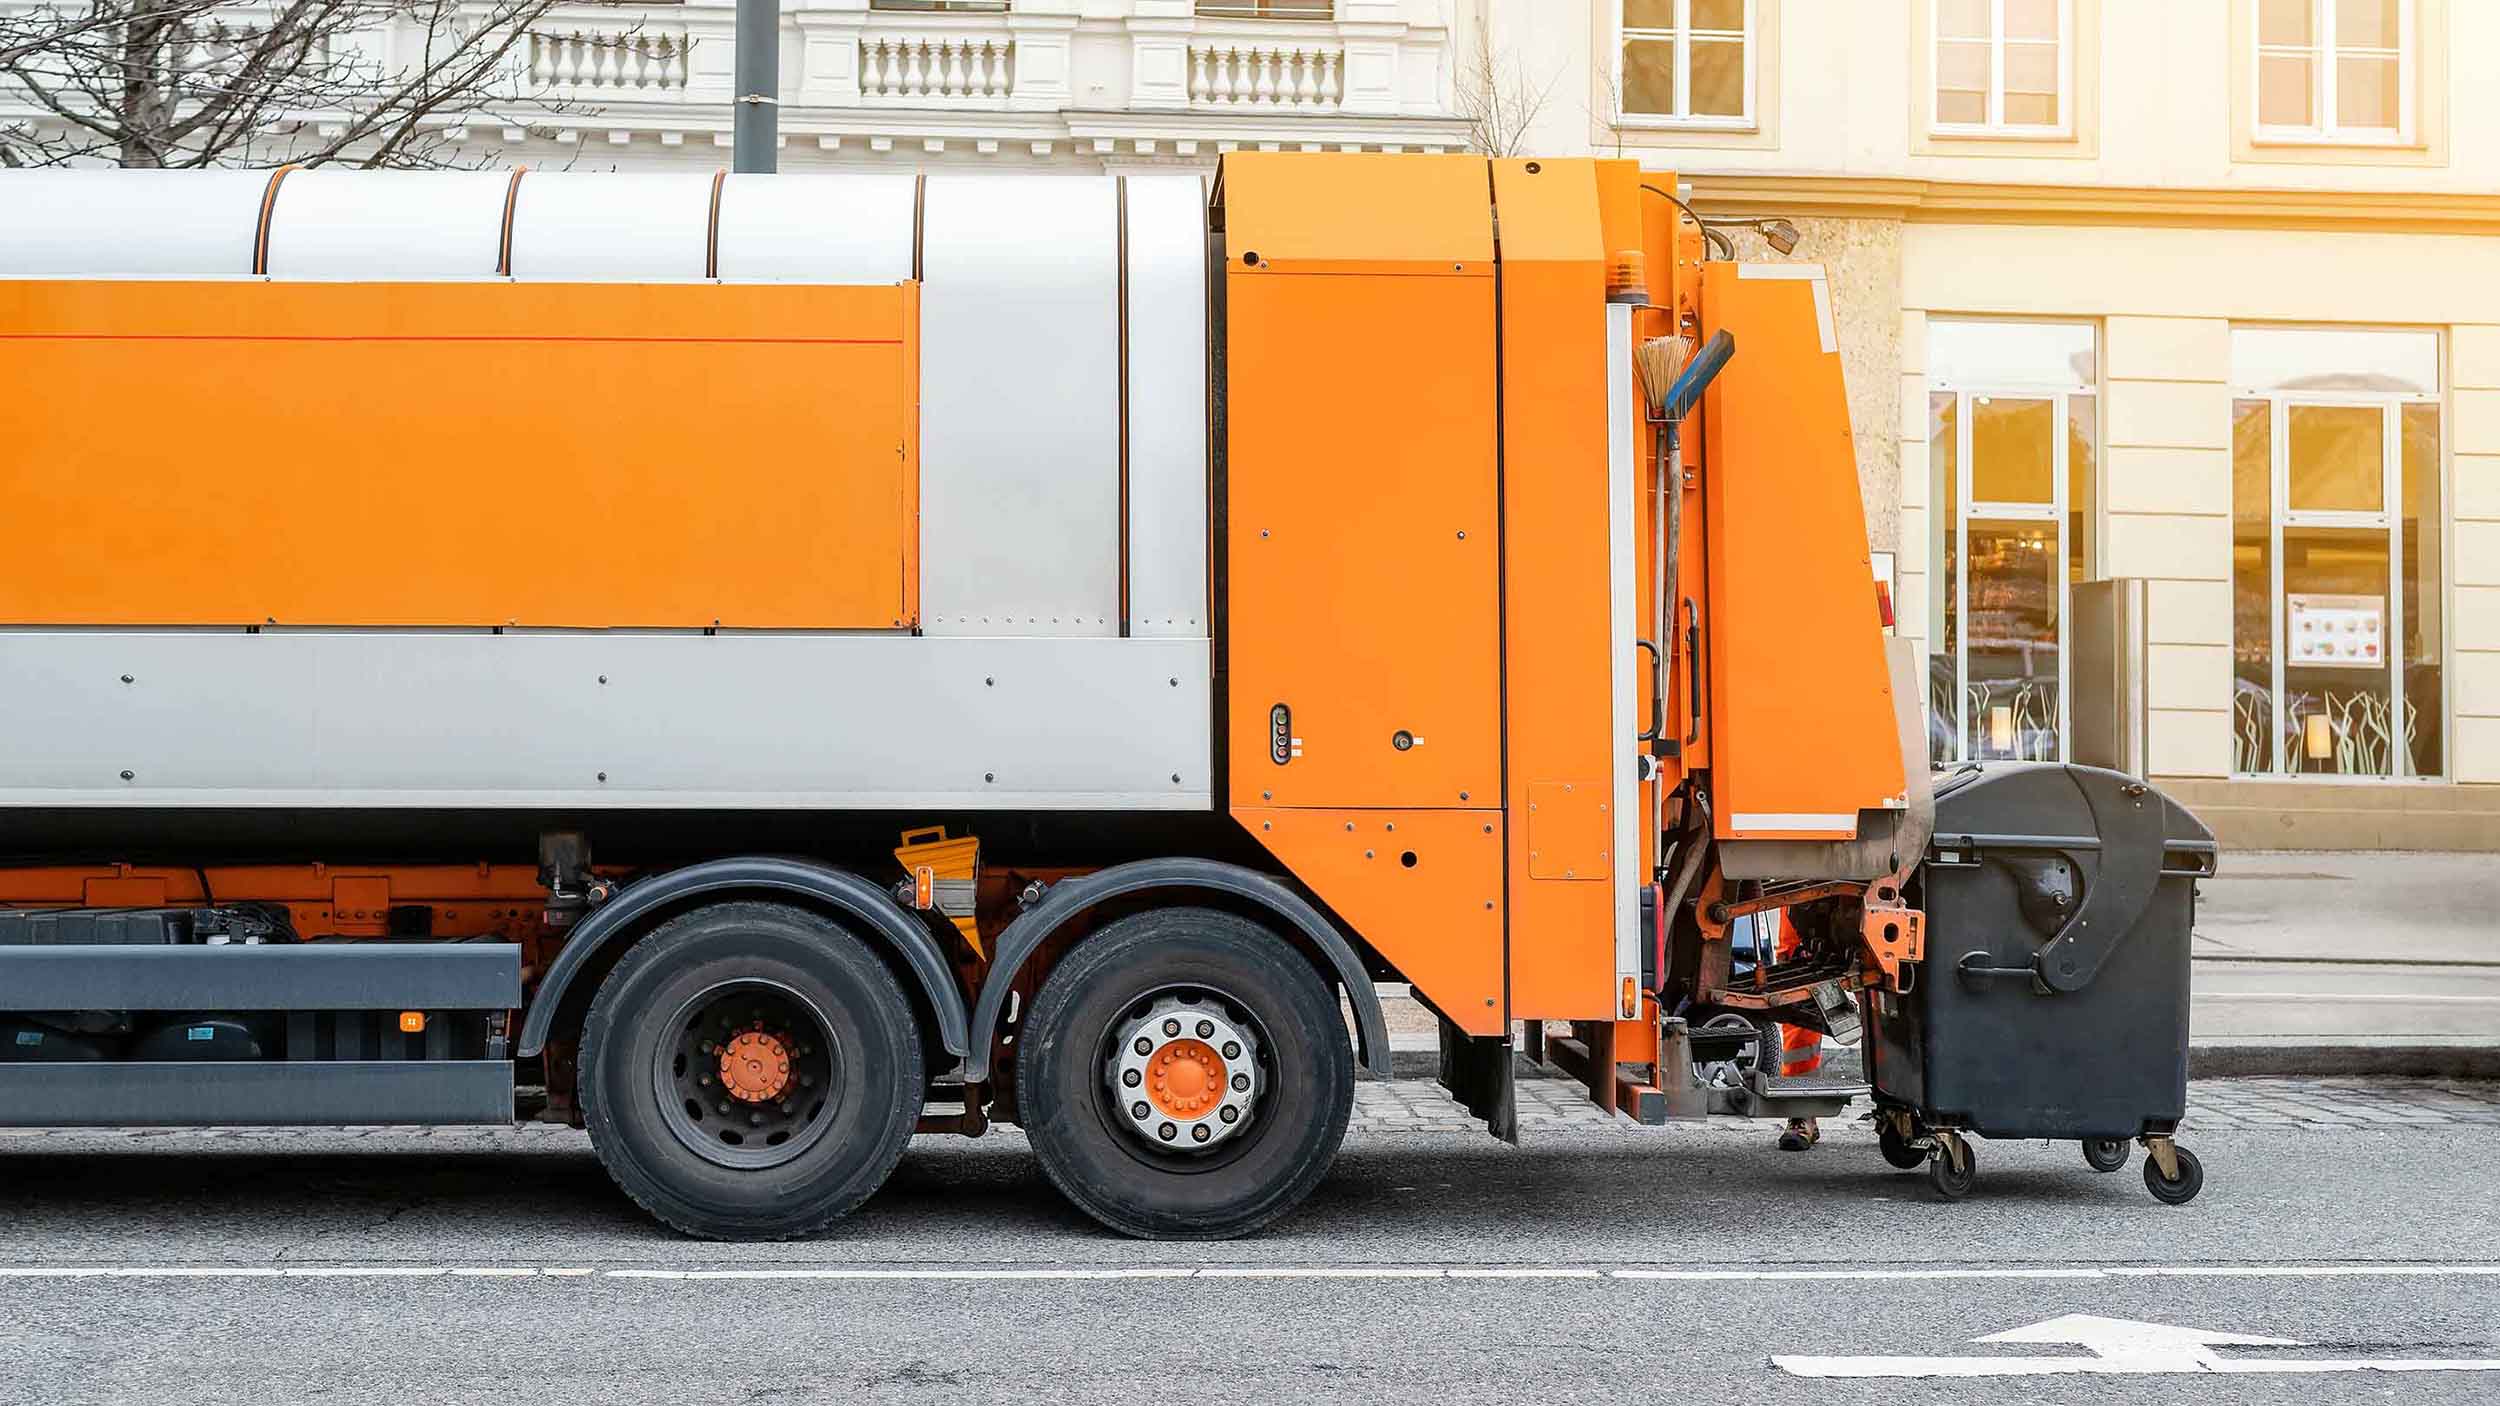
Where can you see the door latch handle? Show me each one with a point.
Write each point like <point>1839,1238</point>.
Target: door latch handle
<point>1657,692</point>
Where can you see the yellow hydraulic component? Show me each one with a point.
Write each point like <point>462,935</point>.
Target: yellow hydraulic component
<point>942,874</point>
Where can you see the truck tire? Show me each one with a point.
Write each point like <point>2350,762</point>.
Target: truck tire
<point>750,1071</point>
<point>1185,1075</point>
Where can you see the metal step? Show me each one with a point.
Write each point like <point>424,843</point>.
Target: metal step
<point>1759,1097</point>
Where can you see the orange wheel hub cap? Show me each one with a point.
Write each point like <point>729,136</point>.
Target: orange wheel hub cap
<point>755,1067</point>
<point>1185,1079</point>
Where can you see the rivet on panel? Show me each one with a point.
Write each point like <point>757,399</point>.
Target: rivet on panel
<point>603,776</point>
<point>1367,854</point>
<point>989,776</point>
<point>126,678</point>
<point>129,775</point>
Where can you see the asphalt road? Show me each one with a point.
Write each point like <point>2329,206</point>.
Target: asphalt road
<point>1594,1262</point>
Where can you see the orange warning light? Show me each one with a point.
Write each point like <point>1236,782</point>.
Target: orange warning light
<point>412,1022</point>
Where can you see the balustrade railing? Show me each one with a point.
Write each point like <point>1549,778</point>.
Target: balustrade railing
<point>1238,73</point>
<point>609,63</point>
<point>936,68</point>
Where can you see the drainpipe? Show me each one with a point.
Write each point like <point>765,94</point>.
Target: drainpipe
<point>756,114</point>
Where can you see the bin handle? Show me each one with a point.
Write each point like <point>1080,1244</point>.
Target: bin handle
<point>925,833</point>
<point>1975,965</point>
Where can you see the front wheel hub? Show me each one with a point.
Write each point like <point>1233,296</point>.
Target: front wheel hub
<point>1184,1075</point>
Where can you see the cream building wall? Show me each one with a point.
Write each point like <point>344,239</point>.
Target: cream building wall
<point>2159,219</point>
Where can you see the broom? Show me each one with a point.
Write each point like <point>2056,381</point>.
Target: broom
<point>1660,360</point>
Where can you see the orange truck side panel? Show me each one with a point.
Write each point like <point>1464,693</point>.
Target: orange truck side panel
<point>1362,539</point>
<point>1554,544</point>
<point>1365,212</point>
<point>1362,549</point>
<point>235,453</point>
<point>1800,698</point>
<point>1437,919</point>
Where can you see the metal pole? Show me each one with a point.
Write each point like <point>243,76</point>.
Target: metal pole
<point>756,114</point>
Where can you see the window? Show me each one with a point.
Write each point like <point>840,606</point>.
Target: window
<point>1687,63</point>
<point>2012,428</point>
<point>2335,70</point>
<point>990,6</point>
<point>2338,611</point>
<point>2002,66</point>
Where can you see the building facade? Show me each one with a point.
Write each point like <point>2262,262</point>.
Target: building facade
<point>2206,295</point>
<point>2203,293</point>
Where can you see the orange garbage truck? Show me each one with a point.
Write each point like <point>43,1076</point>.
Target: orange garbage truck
<point>762,666</point>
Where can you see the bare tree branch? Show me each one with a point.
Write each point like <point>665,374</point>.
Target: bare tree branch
<point>1500,102</point>
<point>225,82</point>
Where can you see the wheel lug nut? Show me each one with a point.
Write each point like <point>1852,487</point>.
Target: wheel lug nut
<point>1200,1132</point>
<point>1230,1114</point>
<point>1167,1132</point>
<point>1171,1027</point>
<point>1242,1082</point>
<point>1206,1029</point>
<point>755,1120</point>
<point>1138,1111</point>
<point>1130,1078</point>
<point>1232,1049</point>
<point>1144,1045</point>
<point>724,1105</point>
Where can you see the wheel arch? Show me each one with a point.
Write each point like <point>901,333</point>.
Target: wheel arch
<point>847,898</point>
<point>1177,878</point>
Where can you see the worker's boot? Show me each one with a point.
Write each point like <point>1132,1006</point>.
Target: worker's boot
<point>1800,1134</point>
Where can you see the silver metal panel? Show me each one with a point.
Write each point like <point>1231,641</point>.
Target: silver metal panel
<point>388,225</point>
<point>1167,406</point>
<point>595,719</point>
<point>129,224</point>
<point>1623,613</point>
<point>1020,406</point>
<point>570,227</point>
<point>816,229</point>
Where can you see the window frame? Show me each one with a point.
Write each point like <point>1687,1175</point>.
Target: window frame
<point>1996,125</point>
<point>2388,521</point>
<point>1680,36</point>
<point>2059,509</point>
<point>2328,130</point>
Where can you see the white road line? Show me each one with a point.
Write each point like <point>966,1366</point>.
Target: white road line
<point>1302,1271</point>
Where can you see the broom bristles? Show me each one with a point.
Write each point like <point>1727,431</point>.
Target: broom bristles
<point>1660,360</point>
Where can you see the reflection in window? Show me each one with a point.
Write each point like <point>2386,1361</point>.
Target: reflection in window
<point>1687,61</point>
<point>2337,621</point>
<point>2012,429</point>
<point>2001,65</point>
<point>2335,70</point>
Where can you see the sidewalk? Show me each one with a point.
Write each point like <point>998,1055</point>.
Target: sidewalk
<point>2304,964</point>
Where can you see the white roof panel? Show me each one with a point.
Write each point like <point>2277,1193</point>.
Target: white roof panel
<point>395,225</point>
<point>576,227</point>
<point>105,223</point>
<point>817,229</point>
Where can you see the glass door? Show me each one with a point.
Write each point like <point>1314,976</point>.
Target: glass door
<point>2012,430</point>
<point>2336,529</point>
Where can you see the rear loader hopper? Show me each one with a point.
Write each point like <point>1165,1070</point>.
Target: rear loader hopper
<point>758,666</point>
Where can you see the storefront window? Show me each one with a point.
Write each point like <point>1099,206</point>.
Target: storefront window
<point>2338,632</point>
<point>2012,427</point>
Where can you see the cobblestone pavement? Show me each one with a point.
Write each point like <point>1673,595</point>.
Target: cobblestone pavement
<point>1420,1105</point>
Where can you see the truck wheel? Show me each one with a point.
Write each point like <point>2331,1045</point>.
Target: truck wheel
<point>1185,1076</point>
<point>750,1072</point>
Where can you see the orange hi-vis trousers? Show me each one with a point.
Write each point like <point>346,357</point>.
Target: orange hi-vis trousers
<point>1801,1049</point>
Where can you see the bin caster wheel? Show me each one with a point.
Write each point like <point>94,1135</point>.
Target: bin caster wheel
<point>1952,1176</point>
<point>1898,1150</point>
<point>2175,1191</point>
<point>2105,1154</point>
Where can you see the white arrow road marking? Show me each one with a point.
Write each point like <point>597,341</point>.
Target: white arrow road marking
<point>2117,1347</point>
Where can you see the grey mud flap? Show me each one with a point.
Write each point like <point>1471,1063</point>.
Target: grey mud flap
<point>1479,1072</point>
